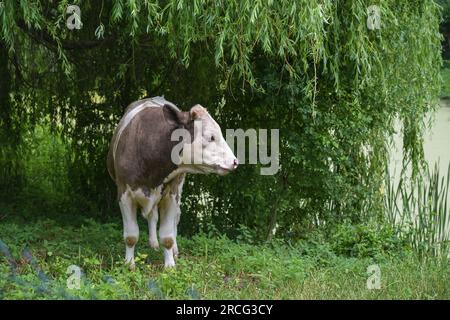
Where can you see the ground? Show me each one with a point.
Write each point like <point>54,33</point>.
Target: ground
<point>210,267</point>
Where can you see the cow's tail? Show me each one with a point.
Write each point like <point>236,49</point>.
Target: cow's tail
<point>110,163</point>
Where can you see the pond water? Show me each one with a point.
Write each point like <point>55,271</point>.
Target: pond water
<point>436,148</point>
<point>436,142</point>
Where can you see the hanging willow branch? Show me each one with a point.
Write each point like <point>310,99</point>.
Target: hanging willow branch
<point>309,67</point>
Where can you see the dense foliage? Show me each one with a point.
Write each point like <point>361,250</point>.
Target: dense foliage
<point>445,27</point>
<point>313,69</point>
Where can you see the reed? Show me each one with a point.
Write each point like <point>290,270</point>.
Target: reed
<point>418,209</point>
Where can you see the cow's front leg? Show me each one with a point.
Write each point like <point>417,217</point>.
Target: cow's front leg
<point>179,190</point>
<point>130,227</point>
<point>175,229</point>
<point>168,213</point>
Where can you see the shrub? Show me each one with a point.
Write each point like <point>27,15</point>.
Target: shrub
<point>365,240</point>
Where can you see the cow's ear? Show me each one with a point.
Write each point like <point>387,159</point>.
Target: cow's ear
<point>171,115</point>
<point>197,111</point>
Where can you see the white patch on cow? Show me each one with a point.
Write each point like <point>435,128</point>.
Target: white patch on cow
<point>147,203</point>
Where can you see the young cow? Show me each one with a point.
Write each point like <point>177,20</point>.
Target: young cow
<point>148,164</point>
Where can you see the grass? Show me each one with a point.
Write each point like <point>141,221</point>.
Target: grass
<point>35,257</point>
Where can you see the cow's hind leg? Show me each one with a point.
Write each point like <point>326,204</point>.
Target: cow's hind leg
<point>149,204</point>
<point>168,211</point>
<point>152,223</point>
<point>130,226</point>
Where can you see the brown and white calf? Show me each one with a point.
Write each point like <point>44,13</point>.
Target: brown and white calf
<point>148,164</point>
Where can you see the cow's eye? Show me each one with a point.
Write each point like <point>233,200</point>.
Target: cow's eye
<point>212,138</point>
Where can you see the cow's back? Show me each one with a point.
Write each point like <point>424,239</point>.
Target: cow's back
<point>110,159</point>
<point>140,149</point>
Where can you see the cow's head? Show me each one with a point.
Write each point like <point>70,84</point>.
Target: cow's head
<point>204,149</point>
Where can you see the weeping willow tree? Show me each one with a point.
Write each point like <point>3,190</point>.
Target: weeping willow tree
<point>311,68</point>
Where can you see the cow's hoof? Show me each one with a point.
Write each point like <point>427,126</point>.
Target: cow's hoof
<point>154,244</point>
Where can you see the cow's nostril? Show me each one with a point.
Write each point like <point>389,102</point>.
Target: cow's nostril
<point>236,162</point>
